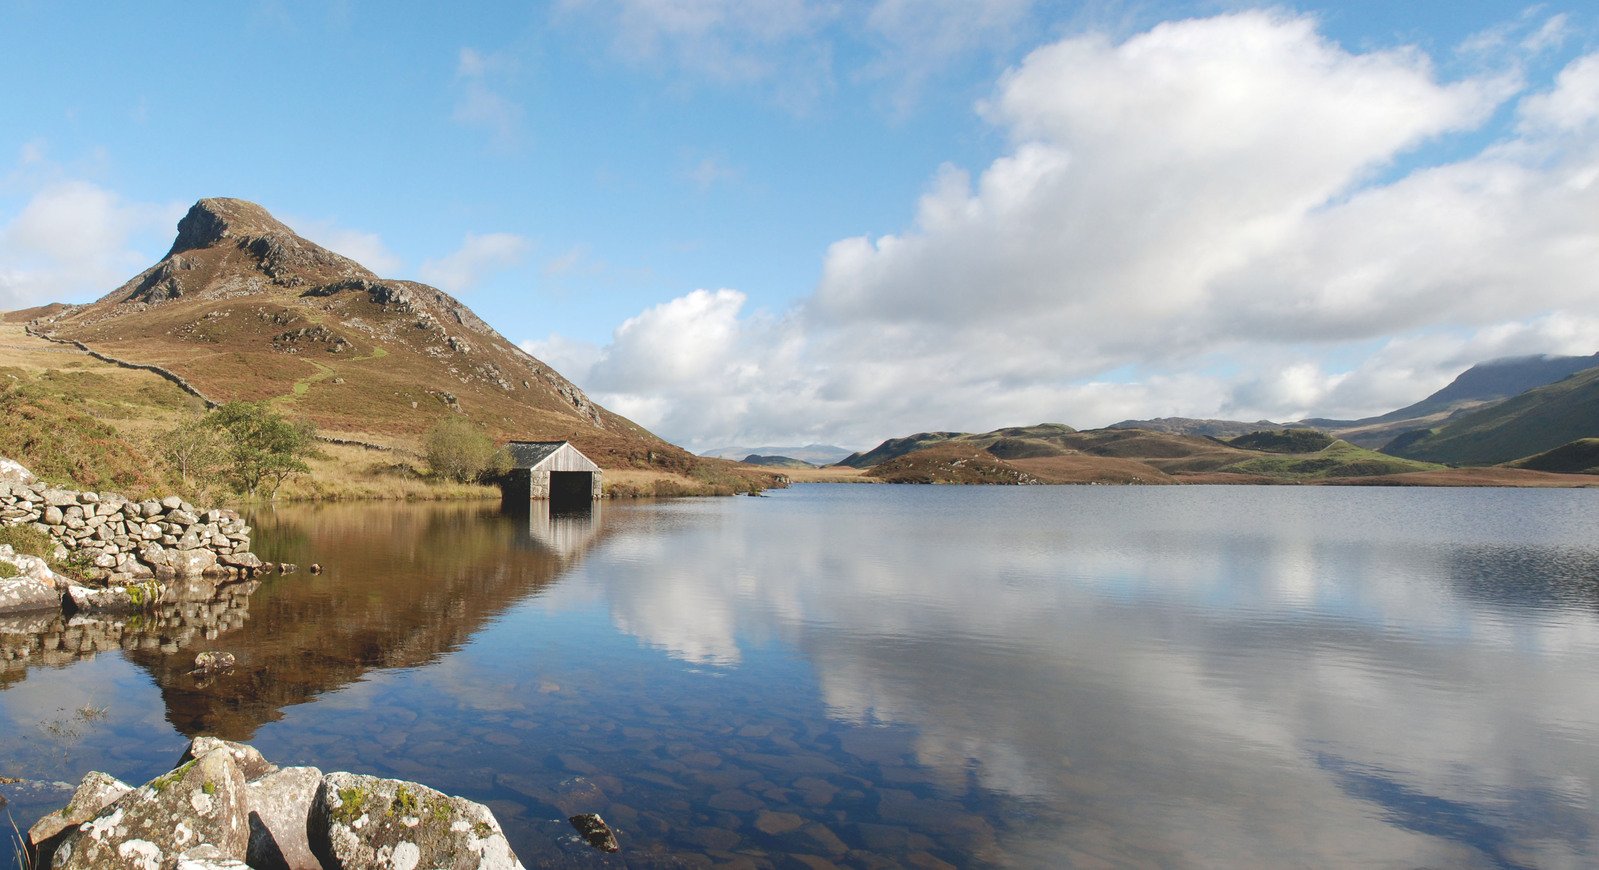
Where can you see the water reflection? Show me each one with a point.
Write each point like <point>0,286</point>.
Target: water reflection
<point>887,676</point>
<point>400,587</point>
<point>1211,678</point>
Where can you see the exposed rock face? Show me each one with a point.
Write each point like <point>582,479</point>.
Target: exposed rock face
<point>248,758</point>
<point>199,803</point>
<point>364,823</point>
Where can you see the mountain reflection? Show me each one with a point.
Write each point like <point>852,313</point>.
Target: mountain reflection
<point>401,586</point>
<point>1161,677</point>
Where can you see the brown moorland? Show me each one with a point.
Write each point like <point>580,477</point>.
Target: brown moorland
<point>243,308</point>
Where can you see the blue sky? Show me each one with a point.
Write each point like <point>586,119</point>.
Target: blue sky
<point>1092,211</point>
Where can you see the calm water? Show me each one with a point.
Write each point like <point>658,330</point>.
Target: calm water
<point>874,676</point>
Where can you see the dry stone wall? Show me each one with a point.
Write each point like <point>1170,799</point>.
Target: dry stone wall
<point>119,540</point>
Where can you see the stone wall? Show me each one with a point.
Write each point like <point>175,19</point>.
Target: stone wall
<point>117,540</point>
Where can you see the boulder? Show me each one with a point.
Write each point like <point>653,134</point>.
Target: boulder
<point>25,594</point>
<point>96,792</point>
<point>252,764</point>
<point>31,567</point>
<point>364,822</point>
<point>208,858</point>
<point>242,560</point>
<point>130,598</point>
<point>199,803</point>
<point>169,562</point>
<point>280,804</point>
<point>12,471</point>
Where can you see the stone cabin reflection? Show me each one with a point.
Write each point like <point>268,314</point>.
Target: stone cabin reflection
<point>552,471</point>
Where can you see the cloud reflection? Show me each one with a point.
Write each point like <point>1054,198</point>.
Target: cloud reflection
<point>1170,677</point>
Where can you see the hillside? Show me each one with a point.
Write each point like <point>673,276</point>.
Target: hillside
<point>1206,428</point>
<point>950,463</point>
<point>1578,457</point>
<point>1015,442</point>
<point>243,308</point>
<point>1481,385</point>
<point>1533,422</point>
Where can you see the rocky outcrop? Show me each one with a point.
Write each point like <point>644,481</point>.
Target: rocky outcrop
<point>224,806</point>
<point>364,823</point>
<point>119,541</point>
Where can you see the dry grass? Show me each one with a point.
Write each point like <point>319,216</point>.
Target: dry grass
<point>829,474</point>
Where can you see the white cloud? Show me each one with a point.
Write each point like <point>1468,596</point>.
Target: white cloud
<point>363,247</point>
<point>1202,218</point>
<point>480,101</point>
<point>478,256</point>
<point>72,240</point>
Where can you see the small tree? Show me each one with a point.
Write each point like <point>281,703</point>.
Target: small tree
<point>196,450</point>
<point>459,451</point>
<point>264,448</point>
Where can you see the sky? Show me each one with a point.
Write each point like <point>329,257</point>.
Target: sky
<point>759,222</point>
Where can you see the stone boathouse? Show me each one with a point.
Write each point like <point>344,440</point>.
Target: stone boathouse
<point>551,470</point>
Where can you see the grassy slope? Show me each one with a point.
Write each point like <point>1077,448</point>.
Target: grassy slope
<point>1533,422</point>
<point>1578,457</point>
<point>949,463</point>
<point>1339,459</point>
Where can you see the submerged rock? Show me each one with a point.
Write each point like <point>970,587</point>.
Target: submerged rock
<point>364,823</point>
<point>595,832</point>
<point>199,803</point>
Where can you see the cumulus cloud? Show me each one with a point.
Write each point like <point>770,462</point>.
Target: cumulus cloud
<point>1212,216</point>
<point>72,240</point>
<point>477,257</point>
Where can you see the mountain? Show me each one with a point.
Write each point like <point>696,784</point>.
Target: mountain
<point>1535,421</point>
<point>1481,385</point>
<point>815,454</point>
<point>243,308</point>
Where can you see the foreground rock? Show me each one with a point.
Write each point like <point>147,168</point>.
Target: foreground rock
<point>364,823</point>
<point>198,804</point>
<point>225,806</point>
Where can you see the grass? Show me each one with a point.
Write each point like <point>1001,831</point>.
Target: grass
<point>1577,457</point>
<point>1339,459</point>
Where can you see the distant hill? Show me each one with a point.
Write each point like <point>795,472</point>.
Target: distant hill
<point>1284,441</point>
<point>1201,427</point>
<point>815,454</point>
<point>950,462</point>
<point>243,308</point>
<point>1481,385</point>
<point>1533,422</point>
<point>775,461</point>
<point>1040,440</point>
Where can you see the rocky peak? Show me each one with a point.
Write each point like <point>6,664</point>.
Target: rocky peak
<point>214,219</point>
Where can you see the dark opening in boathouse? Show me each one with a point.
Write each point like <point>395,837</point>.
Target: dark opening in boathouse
<point>551,470</point>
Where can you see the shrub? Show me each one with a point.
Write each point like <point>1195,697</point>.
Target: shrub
<point>459,451</point>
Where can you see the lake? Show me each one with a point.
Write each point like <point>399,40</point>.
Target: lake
<point>881,676</point>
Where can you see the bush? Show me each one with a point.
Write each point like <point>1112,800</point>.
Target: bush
<point>263,448</point>
<point>459,451</point>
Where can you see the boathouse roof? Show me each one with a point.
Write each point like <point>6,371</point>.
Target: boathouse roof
<point>561,455</point>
